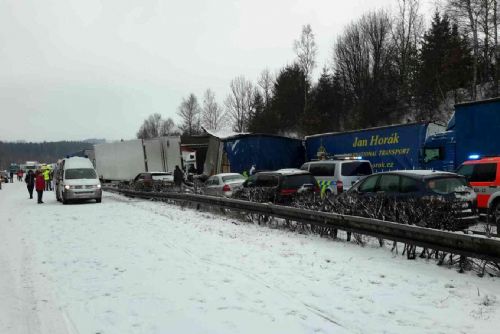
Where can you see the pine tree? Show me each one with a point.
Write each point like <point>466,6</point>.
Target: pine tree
<point>444,66</point>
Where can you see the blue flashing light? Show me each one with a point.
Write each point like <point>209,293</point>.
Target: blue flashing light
<point>359,158</point>
<point>474,156</point>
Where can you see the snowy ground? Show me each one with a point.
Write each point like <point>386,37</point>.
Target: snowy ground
<point>131,266</point>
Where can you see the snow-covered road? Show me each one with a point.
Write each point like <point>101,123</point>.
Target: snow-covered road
<point>132,266</point>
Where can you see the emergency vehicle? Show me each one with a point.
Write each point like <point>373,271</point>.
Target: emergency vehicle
<point>483,174</point>
<point>338,174</point>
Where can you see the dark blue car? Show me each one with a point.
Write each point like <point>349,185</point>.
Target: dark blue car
<point>420,184</point>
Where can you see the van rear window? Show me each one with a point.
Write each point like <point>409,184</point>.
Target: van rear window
<point>297,181</point>
<point>80,173</point>
<point>356,168</point>
<point>322,169</point>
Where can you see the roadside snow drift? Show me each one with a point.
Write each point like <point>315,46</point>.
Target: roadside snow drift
<point>133,266</point>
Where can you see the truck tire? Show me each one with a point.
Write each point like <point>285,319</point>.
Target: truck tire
<point>495,211</point>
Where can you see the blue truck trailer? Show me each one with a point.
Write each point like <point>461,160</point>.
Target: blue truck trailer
<point>472,132</point>
<point>237,153</point>
<point>391,147</point>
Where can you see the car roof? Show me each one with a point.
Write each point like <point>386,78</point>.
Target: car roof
<point>227,174</point>
<point>418,173</point>
<point>291,171</point>
<point>333,161</point>
<point>482,160</point>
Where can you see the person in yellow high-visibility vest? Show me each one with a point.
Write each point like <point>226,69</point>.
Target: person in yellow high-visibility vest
<point>46,177</point>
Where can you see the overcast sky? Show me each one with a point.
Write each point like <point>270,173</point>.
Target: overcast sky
<point>76,69</point>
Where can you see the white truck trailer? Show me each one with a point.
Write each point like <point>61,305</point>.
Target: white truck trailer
<point>122,161</point>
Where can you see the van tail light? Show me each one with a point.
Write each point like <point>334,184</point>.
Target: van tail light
<point>226,188</point>
<point>340,187</point>
<point>287,192</point>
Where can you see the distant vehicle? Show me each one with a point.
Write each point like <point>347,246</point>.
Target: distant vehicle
<point>484,176</point>
<point>30,165</point>
<point>13,168</point>
<point>122,161</point>
<point>420,184</point>
<point>283,184</point>
<point>339,174</point>
<point>149,181</point>
<point>224,184</point>
<point>77,179</point>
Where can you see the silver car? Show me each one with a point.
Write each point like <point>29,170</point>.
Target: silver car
<point>223,184</point>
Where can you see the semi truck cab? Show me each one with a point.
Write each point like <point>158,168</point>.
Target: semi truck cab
<point>439,152</point>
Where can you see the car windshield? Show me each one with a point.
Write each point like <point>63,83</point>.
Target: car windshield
<point>356,168</point>
<point>297,181</point>
<point>447,185</point>
<point>80,173</point>
<point>230,178</point>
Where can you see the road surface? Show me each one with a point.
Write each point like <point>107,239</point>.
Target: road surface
<point>134,266</point>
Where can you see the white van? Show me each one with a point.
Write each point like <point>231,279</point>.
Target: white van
<point>339,174</point>
<point>76,178</point>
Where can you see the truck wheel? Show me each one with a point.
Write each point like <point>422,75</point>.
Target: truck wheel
<point>496,212</point>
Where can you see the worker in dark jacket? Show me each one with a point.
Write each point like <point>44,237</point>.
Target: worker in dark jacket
<point>178,178</point>
<point>30,182</point>
<point>39,185</point>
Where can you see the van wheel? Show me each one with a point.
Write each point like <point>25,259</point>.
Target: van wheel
<point>98,200</point>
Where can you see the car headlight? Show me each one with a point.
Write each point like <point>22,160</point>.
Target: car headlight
<point>98,186</point>
<point>67,187</point>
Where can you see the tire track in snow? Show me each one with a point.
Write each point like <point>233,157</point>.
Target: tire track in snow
<point>249,275</point>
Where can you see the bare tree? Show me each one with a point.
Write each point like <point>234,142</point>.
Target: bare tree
<point>239,103</point>
<point>306,50</point>
<point>466,13</point>
<point>363,61</point>
<point>212,115</point>
<point>168,127</point>
<point>266,81</point>
<point>155,126</point>
<point>406,34</point>
<point>189,111</point>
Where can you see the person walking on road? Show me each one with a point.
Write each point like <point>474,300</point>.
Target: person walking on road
<point>46,177</point>
<point>39,185</point>
<point>178,177</point>
<point>30,182</point>
<point>11,177</point>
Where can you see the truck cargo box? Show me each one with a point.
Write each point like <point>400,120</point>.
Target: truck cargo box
<point>388,148</point>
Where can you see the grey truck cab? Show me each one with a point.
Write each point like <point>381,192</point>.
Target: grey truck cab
<point>338,174</point>
<point>76,179</point>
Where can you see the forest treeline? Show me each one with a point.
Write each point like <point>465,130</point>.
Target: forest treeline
<point>48,152</point>
<point>385,67</point>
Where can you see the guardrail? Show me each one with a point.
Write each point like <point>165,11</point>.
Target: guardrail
<point>475,246</point>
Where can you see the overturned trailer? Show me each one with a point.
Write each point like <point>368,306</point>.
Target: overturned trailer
<point>236,153</point>
<point>123,160</point>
